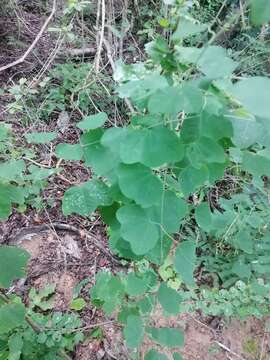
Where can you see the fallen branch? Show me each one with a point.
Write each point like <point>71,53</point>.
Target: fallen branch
<point>81,52</point>
<point>29,232</point>
<point>224,347</point>
<point>31,47</point>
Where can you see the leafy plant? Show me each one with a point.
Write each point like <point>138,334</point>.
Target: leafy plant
<point>192,120</point>
<point>21,180</point>
<point>32,332</point>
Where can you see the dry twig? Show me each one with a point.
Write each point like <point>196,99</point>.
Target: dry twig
<point>31,47</point>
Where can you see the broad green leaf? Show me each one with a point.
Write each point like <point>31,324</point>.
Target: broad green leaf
<point>85,198</point>
<point>113,138</point>
<point>159,253</point>
<point>137,182</point>
<point>69,151</point>
<point>254,93</point>
<point>169,299</point>
<point>216,171</point>
<point>133,331</point>
<point>172,100</point>
<point>203,216</point>
<point>151,147</point>
<point>256,164</point>
<point>215,63</point>
<point>146,304</point>
<point>12,170</point>
<point>125,312</point>
<point>155,355</point>
<point>206,125</point>
<point>161,146</point>
<point>40,137</point>
<point>168,213</point>
<point>15,344</point>
<point>203,151</point>
<point>11,317</point>
<point>191,179</point>
<point>77,304</point>
<point>246,131</point>
<point>167,336</point>
<point>260,12</point>
<point>139,90</point>
<point>93,121</point>
<point>13,263</point>
<point>244,241</point>
<point>10,194</point>
<point>137,229</point>
<point>99,157</point>
<point>212,60</point>
<point>185,261</point>
<point>136,286</point>
<point>241,269</point>
<point>186,28</point>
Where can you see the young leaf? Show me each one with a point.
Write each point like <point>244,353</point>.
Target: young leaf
<point>93,121</point>
<point>13,262</point>
<point>185,261</point>
<point>134,331</point>
<point>137,229</point>
<point>169,299</point>
<point>40,137</point>
<point>137,182</point>
<point>85,198</point>
<point>77,304</point>
<point>11,317</point>
<point>167,336</point>
<point>69,151</point>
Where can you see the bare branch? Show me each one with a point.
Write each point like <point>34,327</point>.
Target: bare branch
<point>31,47</point>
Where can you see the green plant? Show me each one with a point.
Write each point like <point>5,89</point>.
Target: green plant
<point>192,120</point>
<point>239,301</point>
<point>35,331</point>
<point>188,128</point>
<point>21,177</point>
<point>67,87</point>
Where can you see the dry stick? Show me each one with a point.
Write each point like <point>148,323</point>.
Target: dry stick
<point>35,327</point>
<point>64,227</point>
<point>224,347</point>
<point>103,12</point>
<point>109,54</point>
<point>31,47</point>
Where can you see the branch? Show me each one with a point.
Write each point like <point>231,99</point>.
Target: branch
<point>31,47</point>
